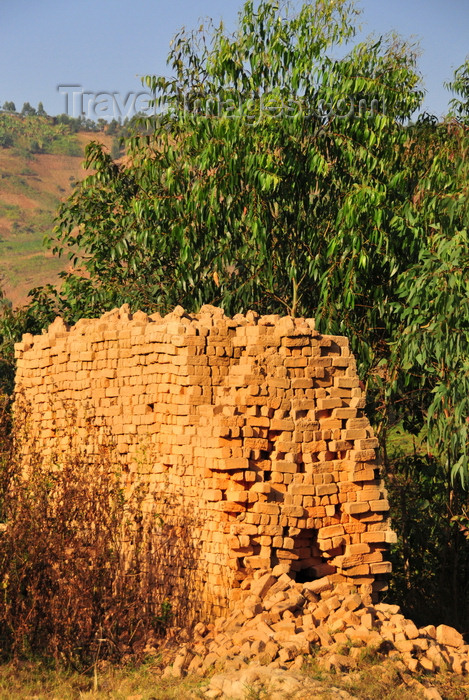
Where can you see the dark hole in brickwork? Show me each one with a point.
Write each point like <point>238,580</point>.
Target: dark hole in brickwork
<point>310,565</point>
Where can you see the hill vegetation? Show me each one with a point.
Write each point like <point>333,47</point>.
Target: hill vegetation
<point>41,160</point>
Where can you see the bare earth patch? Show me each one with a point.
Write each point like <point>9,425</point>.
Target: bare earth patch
<point>31,190</point>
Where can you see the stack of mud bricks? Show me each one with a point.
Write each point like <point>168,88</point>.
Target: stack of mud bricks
<point>252,426</point>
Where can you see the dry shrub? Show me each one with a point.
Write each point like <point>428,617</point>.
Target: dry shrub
<point>6,450</point>
<point>79,563</point>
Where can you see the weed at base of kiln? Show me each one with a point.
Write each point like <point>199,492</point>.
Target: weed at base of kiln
<point>79,561</point>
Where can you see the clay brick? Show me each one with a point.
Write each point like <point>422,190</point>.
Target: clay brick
<point>325,404</point>
<point>295,362</point>
<point>353,434</point>
<point>293,511</point>
<point>282,424</point>
<point>325,489</point>
<point>304,489</point>
<point>284,467</point>
<point>362,455</point>
<point>369,494</point>
<point>366,444</point>
<point>383,567</point>
<point>296,342</point>
<point>357,508</point>
<point>380,505</point>
<point>336,445</point>
<point>267,508</point>
<point>348,382</point>
<point>302,383</point>
<point>449,636</point>
<point>379,536</point>
<point>360,570</point>
<point>362,475</point>
<point>259,421</point>
<point>331,531</point>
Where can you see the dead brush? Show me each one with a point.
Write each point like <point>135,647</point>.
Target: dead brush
<point>79,557</point>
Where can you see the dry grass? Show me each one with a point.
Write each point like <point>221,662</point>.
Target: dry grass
<point>377,677</point>
<point>143,681</point>
<point>82,559</point>
<point>38,681</point>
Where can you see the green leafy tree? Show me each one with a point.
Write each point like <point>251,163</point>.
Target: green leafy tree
<point>272,177</point>
<point>13,323</point>
<point>427,381</point>
<point>432,349</point>
<point>113,127</point>
<point>9,107</point>
<point>28,110</point>
<point>460,87</point>
<point>116,148</point>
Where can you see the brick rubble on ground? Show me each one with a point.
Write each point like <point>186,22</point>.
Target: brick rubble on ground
<point>280,622</point>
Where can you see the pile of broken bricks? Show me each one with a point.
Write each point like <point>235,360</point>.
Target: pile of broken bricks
<point>279,623</point>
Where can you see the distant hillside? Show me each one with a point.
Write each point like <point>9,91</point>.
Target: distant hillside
<point>39,162</point>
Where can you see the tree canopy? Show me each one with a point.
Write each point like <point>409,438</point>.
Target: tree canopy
<point>273,177</point>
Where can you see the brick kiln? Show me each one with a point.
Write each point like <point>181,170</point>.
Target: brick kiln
<point>252,427</point>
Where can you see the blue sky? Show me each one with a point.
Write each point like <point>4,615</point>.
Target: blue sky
<point>106,45</point>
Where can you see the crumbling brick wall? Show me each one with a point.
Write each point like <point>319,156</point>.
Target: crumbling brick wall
<point>252,425</point>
